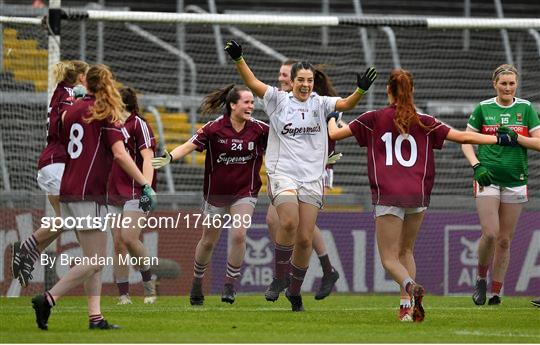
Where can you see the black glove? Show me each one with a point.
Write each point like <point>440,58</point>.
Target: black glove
<point>334,115</point>
<point>364,81</point>
<point>234,50</point>
<point>506,136</point>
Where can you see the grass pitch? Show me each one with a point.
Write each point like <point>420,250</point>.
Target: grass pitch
<point>337,319</point>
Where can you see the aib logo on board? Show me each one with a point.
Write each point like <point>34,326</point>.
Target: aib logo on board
<point>461,258</point>
<point>258,262</point>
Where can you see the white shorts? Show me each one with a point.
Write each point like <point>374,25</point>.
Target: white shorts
<point>383,210</point>
<point>49,178</point>
<point>130,205</point>
<point>211,210</point>
<point>308,192</point>
<point>507,195</point>
<point>329,179</point>
<point>83,215</point>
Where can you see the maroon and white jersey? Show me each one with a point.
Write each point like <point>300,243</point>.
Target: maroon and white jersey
<point>401,168</point>
<point>233,159</point>
<point>89,156</point>
<point>55,152</point>
<point>123,187</point>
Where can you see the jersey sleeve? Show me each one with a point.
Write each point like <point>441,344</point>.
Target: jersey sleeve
<point>114,133</point>
<point>64,100</point>
<point>476,119</point>
<point>438,131</point>
<point>144,137</point>
<point>202,137</point>
<point>329,104</point>
<point>362,127</point>
<point>271,99</point>
<point>533,121</point>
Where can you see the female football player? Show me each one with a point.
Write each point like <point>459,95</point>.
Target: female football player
<point>400,142</point>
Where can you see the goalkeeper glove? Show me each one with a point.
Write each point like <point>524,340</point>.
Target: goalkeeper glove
<point>234,50</point>
<point>336,115</point>
<point>482,175</point>
<point>364,81</point>
<point>148,200</point>
<point>333,158</point>
<point>506,136</point>
<point>79,91</point>
<point>158,162</point>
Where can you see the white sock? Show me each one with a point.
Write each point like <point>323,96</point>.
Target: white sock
<point>405,302</point>
<point>406,282</point>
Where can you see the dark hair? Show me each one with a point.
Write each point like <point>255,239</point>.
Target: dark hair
<point>400,86</point>
<point>215,100</point>
<point>129,97</point>
<point>322,84</point>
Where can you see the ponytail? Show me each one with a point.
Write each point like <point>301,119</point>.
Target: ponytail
<point>216,100</point>
<point>322,84</point>
<point>108,103</point>
<point>400,86</point>
<point>129,97</point>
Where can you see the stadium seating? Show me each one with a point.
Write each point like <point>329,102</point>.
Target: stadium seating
<point>350,172</point>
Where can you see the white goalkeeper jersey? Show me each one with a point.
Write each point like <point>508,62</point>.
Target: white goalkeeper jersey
<point>298,138</point>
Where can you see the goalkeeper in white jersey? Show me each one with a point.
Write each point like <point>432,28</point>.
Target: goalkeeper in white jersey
<point>295,162</point>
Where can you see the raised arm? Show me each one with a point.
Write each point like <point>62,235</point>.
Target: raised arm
<point>235,51</point>
<point>176,154</point>
<point>470,137</point>
<point>363,82</point>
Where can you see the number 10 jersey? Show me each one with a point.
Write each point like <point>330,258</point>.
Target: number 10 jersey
<point>401,168</point>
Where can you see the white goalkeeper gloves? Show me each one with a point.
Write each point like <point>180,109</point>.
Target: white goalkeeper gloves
<point>158,162</point>
<point>333,158</point>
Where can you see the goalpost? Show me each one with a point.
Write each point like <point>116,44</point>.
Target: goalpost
<point>173,60</point>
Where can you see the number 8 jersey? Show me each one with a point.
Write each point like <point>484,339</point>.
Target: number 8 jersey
<point>89,156</point>
<point>401,168</point>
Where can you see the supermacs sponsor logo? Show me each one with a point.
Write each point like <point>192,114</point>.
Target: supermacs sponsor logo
<point>223,158</point>
<point>293,131</point>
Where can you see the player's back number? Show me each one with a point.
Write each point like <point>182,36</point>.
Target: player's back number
<point>75,145</point>
<point>396,150</point>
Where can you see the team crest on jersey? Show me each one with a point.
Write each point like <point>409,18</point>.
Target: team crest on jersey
<point>251,145</point>
<point>519,117</point>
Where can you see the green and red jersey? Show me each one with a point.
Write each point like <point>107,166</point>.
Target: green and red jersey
<point>509,165</point>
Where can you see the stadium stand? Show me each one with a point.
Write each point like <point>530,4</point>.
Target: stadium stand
<point>438,81</point>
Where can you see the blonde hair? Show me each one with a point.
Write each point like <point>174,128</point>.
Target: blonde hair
<point>68,71</point>
<point>108,105</point>
<point>503,69</point>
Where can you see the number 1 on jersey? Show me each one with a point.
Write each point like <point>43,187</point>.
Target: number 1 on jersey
<point>387,138</point>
